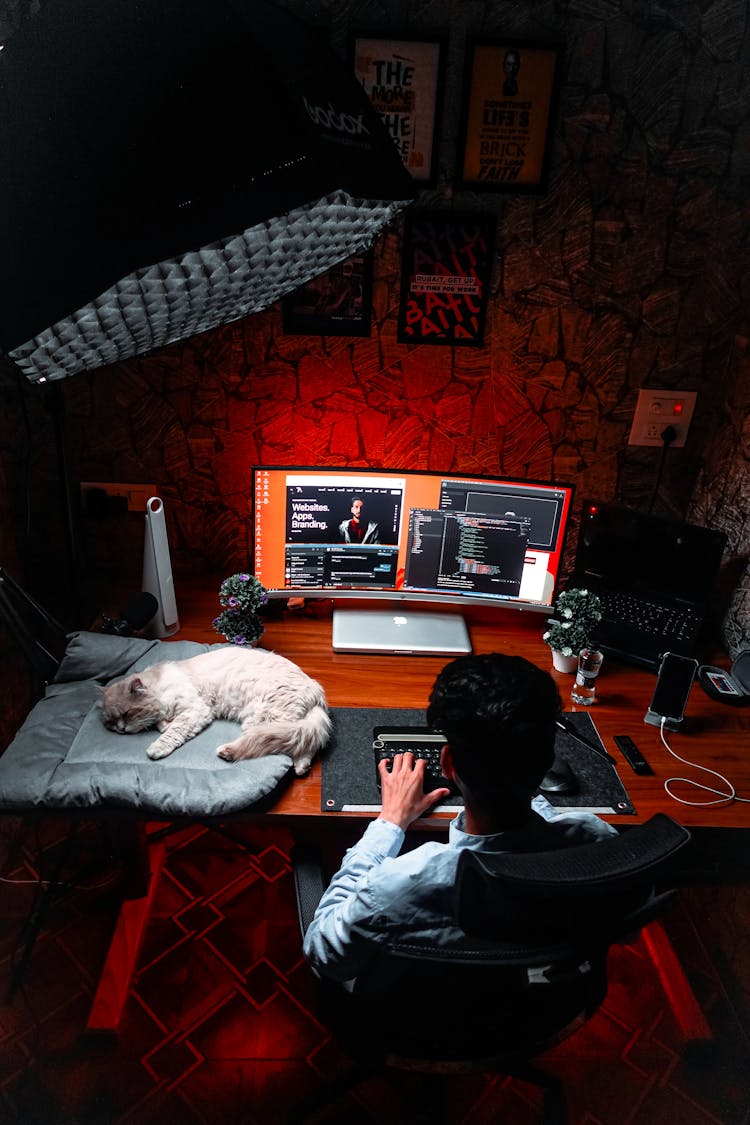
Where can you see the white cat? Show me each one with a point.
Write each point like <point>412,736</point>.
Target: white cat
<point>281,709</point>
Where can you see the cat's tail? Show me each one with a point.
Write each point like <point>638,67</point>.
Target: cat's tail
<point>300,739</point>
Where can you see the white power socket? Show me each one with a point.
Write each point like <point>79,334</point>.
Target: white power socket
<point>655,410</point>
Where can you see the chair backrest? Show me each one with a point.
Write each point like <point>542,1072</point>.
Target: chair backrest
<point>592,893</point>
<point>524,973</point>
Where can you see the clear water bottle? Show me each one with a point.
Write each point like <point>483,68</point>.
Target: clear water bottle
<point>584,688</point>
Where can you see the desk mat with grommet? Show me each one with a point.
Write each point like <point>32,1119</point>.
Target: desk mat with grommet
<point>349,781</point>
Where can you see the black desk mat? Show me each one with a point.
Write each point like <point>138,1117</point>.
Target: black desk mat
<point>349,780</point>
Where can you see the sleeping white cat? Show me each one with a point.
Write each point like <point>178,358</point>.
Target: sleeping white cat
<point>281,709</point>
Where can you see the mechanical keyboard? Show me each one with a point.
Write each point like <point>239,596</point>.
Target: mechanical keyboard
<point>419,741</point>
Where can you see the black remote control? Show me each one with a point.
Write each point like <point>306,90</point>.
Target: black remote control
<point>632,754</point>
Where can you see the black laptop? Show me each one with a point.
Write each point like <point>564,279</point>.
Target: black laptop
<point>656,578</point>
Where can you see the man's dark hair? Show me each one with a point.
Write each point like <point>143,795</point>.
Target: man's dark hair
<point>498,715</point>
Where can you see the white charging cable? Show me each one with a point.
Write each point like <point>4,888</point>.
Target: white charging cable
<point>722,798</point>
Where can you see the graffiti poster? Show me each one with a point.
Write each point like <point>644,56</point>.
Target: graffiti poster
<point>445,278</point>
<point>509,95</point>
<point>404,81</point>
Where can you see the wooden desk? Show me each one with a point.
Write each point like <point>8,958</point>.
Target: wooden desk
<point>718,736</point>
<point>719,740</point>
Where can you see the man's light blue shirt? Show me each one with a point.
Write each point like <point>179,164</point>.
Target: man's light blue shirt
<point>388,896</point>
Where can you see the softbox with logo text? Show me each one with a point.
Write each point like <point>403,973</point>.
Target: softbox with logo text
<point>172,165</point>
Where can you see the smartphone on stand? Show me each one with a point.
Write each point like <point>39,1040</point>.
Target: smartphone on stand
<point>675,679</point>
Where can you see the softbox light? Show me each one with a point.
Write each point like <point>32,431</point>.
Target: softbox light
<point>172,165</point>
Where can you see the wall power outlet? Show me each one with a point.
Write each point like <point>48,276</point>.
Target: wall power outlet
<point>655,410</point>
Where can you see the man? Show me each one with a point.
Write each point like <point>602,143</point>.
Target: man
<point>497,714</point>
<point>511,67</point>
<point>358,529</point>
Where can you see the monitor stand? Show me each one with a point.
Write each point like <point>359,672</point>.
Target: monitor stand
<point>400,632</point>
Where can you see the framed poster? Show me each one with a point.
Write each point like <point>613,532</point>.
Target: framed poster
<point>404,80</point>
<point>510,94</point>
<point>445,278</point>
<point>338,303</point>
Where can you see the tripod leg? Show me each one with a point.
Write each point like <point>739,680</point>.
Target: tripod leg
<point>36,920</point>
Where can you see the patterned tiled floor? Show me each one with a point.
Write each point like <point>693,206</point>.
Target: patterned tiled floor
<point>220,1026</point>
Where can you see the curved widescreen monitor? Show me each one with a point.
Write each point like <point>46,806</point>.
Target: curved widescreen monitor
<point>408,535</point>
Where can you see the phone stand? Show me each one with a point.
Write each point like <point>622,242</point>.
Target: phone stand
<point>656,721</point>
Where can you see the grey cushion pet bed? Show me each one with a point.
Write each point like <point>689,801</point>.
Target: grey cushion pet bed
<point>63,757</point>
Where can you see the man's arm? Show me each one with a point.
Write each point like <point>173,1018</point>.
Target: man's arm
<point>402,790</point>
<point>330,944</point>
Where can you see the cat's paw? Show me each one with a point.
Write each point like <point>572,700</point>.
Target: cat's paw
<point>155,751</point>
<point>162,725</point>
<point>301,766</point>
<point>227,752</point>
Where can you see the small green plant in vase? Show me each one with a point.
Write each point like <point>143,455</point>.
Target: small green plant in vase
<point>241,595</point>
<point>576,613</point>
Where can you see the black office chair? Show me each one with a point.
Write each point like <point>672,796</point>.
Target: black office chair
<point>523,984</point>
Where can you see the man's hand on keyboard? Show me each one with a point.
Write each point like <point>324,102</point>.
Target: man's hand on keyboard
<point>404,799</point>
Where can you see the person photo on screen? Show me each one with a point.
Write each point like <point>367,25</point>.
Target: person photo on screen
<point>357,528</point>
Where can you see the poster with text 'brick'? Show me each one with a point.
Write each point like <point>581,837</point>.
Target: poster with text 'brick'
<point>509,98</point>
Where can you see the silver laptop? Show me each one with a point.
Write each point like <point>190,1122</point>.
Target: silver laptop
<point>403,632</point>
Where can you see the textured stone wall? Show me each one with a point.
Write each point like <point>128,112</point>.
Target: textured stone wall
<point>630,271</point>
<point>722,494</point>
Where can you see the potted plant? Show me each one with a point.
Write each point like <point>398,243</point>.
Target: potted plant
<point>576,613</point>
<point>241,595</point>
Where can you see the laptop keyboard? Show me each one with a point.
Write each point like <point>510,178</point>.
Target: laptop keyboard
<point>650,617</point>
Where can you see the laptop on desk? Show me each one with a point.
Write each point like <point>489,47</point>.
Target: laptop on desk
<point>404,631</point>
<point>655,578</point>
